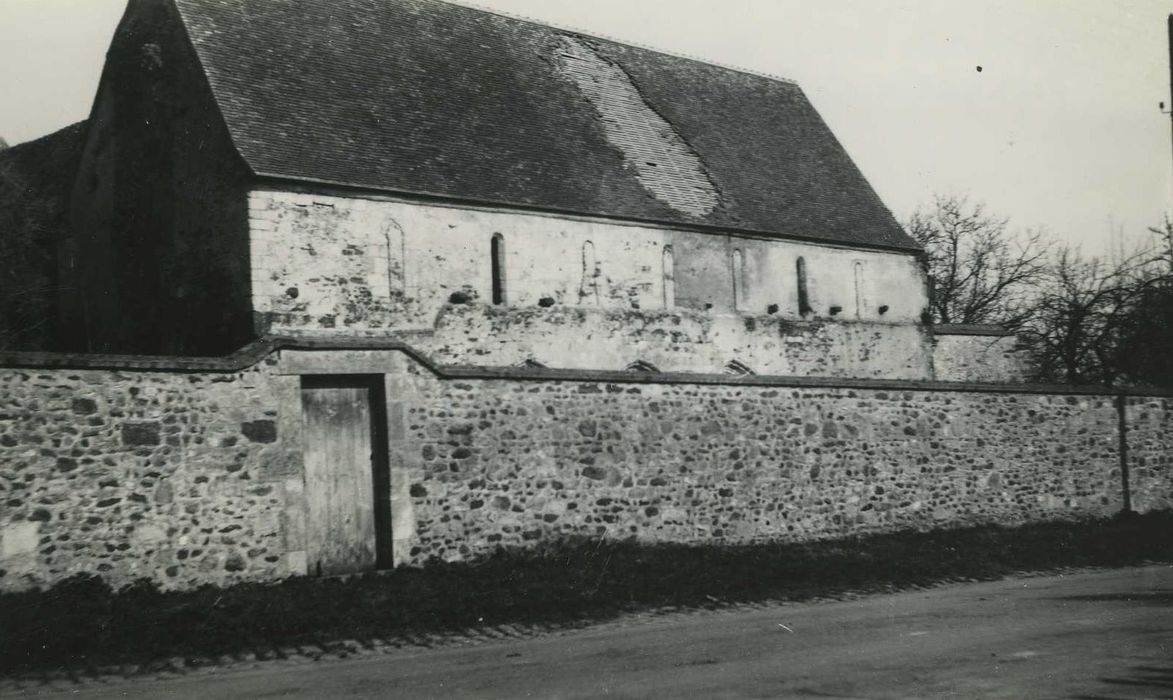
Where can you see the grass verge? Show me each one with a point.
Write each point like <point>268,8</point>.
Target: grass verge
<point>82,623</point>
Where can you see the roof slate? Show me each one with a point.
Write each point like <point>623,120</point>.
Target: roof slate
<point>427,97</point>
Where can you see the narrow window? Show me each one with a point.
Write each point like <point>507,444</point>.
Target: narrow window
<point>396,251</point>
<point>738,280</point>
<point>804,305</point>
<point>497,253</point>
<point>858,290</point>
<point>590,275</point>
<point>669,278</point>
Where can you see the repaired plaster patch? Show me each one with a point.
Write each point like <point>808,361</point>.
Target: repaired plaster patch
<point>664,163</point>
<point>18,539</point>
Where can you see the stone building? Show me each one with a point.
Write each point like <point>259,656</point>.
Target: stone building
<point>356,283</point>
<point>498,191</point>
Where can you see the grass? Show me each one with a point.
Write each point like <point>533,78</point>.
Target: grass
<point>82,623</point>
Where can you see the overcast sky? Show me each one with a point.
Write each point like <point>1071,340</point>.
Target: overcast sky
<point>1059,129</point>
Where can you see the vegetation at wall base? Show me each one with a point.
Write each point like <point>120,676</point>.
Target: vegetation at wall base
<point>81,623</point>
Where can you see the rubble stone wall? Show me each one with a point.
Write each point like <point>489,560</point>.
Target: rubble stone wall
<point>507,463</point>
<point>1148,427</point>
<point>193,476</point>
<point>183,478</point>
<point>676,341</point>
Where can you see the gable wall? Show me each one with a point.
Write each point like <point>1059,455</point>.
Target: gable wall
<point>158,258</point>
<point>332,265</point>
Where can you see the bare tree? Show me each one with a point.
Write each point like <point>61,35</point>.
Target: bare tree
<point>1164,245</point>
<point>1147,337</point>
<point>1084,321</point>
<point>979,272</point>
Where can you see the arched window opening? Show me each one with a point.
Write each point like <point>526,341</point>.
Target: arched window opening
<point>641,366</point>
<point>738,280</point>
<point>497,255</point>
<point>395,254</point>
<point>669,278</point>
<point>859,290</point>
<point>735,368</point>
<point>804,302</point>
<point>589,290</point>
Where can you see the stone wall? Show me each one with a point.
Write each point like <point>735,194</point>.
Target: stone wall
<point>195,476</point>
<point>1149,430</point>
<point>339,266</point>
<point>675,341</point>
<point>182,478</point>
<point>978,354</point>
<point>507,463</point>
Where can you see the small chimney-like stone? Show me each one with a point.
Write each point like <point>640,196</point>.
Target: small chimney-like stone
<point>3,144</point>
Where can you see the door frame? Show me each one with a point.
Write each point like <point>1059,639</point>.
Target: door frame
<point>380,456</point>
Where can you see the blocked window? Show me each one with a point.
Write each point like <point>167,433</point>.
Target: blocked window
<point>669,278</point>
<point>641,366</point>
<point>396,256</point>
<point>804,302</point>
<point>738,280</point>
<point>589,291</point>
<point>497,256</point>
<point>859,301</point>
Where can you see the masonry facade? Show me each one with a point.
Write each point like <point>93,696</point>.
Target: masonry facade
<point>580,293</point>
<point>192,473</point>
<point>671,213</point>
<point>502,284</point>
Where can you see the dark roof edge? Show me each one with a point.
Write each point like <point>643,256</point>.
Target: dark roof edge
<point>91,123</point>
<point>81,125</point>
<point>853,165</point>
<point>257,351</point>
<point>344,188</point>
<point>622,42</point>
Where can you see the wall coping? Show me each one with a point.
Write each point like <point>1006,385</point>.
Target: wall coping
<point>261,350</point>
<point>971,329</point>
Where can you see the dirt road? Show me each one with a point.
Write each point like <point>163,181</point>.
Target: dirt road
<point>1089,635</point>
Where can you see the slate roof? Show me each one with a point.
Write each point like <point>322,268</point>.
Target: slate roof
<point>432,98</point>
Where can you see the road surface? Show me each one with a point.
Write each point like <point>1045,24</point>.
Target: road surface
<point>1102,634</point>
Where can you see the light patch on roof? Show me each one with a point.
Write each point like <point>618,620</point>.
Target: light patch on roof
<point>665,164</point>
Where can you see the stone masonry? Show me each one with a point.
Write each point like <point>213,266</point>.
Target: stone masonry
<point>194,475</point>
<point>182,478</point>
<point>580,293</point>
<point>508,463</point>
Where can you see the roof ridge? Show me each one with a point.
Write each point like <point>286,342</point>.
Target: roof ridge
<point>470,4</point>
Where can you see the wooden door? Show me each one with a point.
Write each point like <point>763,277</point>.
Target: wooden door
<point>345,493</point>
